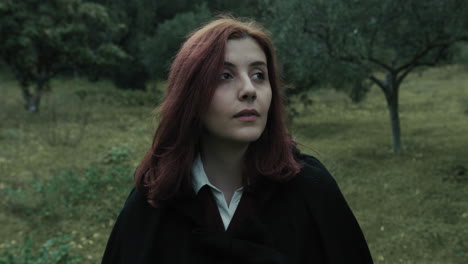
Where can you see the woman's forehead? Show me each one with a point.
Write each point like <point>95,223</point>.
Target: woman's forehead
<point>244,51</point>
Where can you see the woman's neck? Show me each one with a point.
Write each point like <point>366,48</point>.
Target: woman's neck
<point>223,163</point>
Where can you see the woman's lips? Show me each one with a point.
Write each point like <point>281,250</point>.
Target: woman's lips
<point>247,115</point>
<point>247,118</point>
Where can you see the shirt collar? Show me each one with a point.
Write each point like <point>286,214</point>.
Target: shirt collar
<point>199,178</point>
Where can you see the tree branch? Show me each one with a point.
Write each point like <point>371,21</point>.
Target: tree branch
<point>415,60</point>
<point>381,64</point>
<point>403,76</point>
<point>378,82</point>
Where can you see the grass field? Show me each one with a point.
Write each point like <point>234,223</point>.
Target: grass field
<point>65,172</point>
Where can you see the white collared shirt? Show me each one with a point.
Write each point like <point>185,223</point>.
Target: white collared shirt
<point>200,179</point>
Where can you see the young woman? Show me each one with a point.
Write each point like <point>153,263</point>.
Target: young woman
<point>223,181</point>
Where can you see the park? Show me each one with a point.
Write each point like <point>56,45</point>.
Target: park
<point>378,93</point>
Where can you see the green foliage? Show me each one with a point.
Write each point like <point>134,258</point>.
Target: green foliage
<point>116,155</point>
<point>342,43</point>
<point>163,46</point>
<point>9,134</point>
<point>71,189</point>
<point>56,35</point>
<point>460,54</point>
<point>53,251</point>
<point>346,44</point>
<point>13,193</point>
<point>296,53</point>
<point>144,18</point>
<point>131,75</point>
<point>45,38</point>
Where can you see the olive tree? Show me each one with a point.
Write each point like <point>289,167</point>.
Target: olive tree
<point>350,43</point>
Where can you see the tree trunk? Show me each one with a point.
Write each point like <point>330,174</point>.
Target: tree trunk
<point>390,87</point>
<point>391,94</point>
<point>32,101</point>
<point>38,95</point>
<point>395,123</point>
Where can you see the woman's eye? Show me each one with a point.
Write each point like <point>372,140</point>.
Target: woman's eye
<point>226,76</point>
<point>259,75</point>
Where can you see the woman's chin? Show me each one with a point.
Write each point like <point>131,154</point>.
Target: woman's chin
<point>240,136</point>
<point>246,137</point>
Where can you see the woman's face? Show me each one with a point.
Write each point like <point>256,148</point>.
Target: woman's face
<point>239,109</point>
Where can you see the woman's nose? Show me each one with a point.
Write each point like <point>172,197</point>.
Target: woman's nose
<point>247,91</point>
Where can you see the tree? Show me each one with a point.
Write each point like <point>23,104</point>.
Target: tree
<point>142,18</point>
<point>41,39</point>
<point>163,46</point>
<point>155,30</point>
<point>348,43</point>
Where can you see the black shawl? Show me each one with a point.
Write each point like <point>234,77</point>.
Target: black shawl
<point>304,220</point>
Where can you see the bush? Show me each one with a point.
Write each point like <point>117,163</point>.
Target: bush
<point>73,189</point>
<point>116,155</point>
<point>72,192</point>
<point>9,134</point>
<point>53,251</point>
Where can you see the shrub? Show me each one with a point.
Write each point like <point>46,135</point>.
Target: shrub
<point>71,193</point>
<point>53,251</point>
<point>71,189</point>
<point>116,155</point>
<point>9,134</point>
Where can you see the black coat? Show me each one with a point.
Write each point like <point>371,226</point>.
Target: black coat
<point>304,220</point>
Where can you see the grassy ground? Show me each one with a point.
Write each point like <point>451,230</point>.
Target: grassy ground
<point>68,169</point>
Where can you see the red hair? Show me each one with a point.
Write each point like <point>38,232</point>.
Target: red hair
<point>165,171</point>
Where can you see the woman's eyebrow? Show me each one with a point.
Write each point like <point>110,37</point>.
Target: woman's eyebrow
<point>258,63</point>
<point>255,63</point>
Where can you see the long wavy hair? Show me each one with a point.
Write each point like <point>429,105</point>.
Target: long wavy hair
<point>165,171</point>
